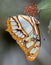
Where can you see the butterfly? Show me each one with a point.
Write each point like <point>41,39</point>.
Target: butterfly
<point>25,30</point>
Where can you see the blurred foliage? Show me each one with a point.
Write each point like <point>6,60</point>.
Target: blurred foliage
<point>49,25</point>
<point>44,9</point>
<point>44,5</point>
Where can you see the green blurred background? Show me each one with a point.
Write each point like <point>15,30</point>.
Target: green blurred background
<point>10,53</point>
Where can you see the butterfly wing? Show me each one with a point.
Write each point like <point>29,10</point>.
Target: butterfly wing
<point>25,31</point>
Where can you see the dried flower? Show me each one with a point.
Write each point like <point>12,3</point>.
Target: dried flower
<point>31,10</point>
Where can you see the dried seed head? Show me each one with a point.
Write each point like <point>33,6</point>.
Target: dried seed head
<point>31,10</point>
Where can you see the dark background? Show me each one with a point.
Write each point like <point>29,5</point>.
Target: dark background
<point>10,53</point>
